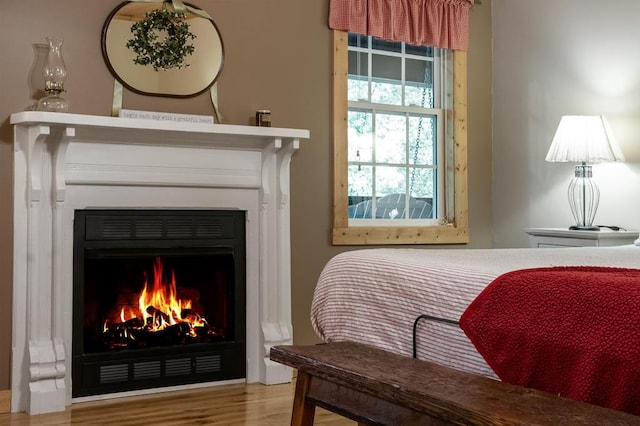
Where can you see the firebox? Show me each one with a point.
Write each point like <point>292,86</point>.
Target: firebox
<point>158,299</point>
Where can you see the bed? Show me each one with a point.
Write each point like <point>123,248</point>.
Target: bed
<point>374,296</point>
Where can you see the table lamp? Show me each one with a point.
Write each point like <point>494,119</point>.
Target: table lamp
<point>584,139</point>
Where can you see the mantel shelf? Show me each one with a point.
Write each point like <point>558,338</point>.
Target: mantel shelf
<point>94,127</point>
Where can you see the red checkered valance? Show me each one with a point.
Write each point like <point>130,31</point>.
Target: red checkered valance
<point>440,23</point>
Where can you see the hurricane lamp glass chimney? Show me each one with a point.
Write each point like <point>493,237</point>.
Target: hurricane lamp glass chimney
<point>55,74</point>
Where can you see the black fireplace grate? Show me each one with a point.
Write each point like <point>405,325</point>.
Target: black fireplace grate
<point>207,364</point>
<point>146,370</point>
<point>114,373</point>
<point>129,373</point>
<point>131,227</point>
<point>178,367</point>
<point>157,369</point>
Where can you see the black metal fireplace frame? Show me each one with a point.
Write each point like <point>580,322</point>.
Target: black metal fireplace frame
<point>131,231</point>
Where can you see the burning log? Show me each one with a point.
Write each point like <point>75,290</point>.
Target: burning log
<point>172,335</point>
<point>140,337</point>
<point>128,324</point>
<point>156,313</point>
<point>192,317</point>
<point>209,334</point>
<point>119,338</point>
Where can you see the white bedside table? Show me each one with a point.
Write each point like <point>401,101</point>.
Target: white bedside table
<point>563,237</point>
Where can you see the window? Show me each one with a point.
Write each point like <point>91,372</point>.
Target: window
<point>399,142</point>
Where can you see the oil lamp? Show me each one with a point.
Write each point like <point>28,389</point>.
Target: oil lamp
<point>54,73</point>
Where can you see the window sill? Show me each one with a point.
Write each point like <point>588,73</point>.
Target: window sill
<point>385,235</point>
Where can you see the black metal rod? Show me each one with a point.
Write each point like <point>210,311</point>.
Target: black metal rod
<point>432,318</point>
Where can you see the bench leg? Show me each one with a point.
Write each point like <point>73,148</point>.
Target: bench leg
<point>303,411</point>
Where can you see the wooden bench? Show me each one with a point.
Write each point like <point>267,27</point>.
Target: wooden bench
<point>376,387</point>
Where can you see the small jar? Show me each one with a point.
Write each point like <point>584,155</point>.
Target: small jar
<point>263,118</point>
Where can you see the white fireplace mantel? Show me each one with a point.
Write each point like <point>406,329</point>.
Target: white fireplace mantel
<point>66,162</point>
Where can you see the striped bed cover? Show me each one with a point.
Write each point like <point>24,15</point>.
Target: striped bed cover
<point>373,296</point>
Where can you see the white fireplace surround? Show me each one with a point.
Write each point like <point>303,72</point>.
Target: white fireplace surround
<point>67,162</point>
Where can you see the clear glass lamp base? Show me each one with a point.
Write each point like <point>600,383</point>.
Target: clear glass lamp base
<point>584,196</point>
<point>53,103</point>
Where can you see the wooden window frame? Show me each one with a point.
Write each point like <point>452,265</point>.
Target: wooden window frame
<point>454,230</point>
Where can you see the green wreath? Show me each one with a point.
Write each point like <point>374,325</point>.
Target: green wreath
<point>168,52</point>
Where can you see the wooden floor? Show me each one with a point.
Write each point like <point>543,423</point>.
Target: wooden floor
<point>253,404</point>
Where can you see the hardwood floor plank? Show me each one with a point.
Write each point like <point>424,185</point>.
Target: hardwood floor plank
<point>5,401</point>
<point>232,405</point>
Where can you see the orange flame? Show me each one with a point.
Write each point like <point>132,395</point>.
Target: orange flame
<point>159,306</point>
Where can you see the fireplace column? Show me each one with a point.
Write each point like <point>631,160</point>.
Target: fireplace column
<point>39,303</point>
<point>275,277</point>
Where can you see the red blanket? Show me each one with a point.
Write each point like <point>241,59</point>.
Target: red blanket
<point>572,331</point>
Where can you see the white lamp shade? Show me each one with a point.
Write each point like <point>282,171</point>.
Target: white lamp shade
<point>584,139</point>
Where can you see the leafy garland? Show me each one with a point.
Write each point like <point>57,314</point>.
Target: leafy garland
<point>167,53</point>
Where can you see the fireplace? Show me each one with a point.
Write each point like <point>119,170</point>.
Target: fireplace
<point>158,299</point>
<point>110,172</point>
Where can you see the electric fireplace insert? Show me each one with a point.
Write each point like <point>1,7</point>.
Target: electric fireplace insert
<point>158,300</point>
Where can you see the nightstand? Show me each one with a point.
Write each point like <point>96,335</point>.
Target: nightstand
<point>563,237</point>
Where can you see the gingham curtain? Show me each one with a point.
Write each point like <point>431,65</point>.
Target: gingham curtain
<point>440,23</point>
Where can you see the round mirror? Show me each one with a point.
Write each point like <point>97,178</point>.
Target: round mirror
<point>153,50</point>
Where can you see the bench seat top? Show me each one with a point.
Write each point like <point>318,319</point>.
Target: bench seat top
<point>445,395</point>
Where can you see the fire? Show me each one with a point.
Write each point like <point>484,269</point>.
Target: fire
<point>159,306</point>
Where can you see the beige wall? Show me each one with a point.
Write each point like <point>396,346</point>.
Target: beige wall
<point>278,56</point>
<point>554,58</point>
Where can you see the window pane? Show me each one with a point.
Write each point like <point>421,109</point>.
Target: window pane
<point>390,180</point>
<point>358,64</point>
<point>358,82</point>
<point>358,40</point>
<point>386,86</point>
<point>421,183</point>
<point>360,181</point>
<point>361,208</point>
<point>358,90</point>
<point>422,139</point>
<point>390,138</point>
<point>360,138</point>
<point>389,93</point>
<point>419,50</point>
<point>386,67</point>
<point>419,83</point>
<point>389,46</point>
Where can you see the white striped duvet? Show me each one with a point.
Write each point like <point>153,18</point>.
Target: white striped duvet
<point>373,296</point>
